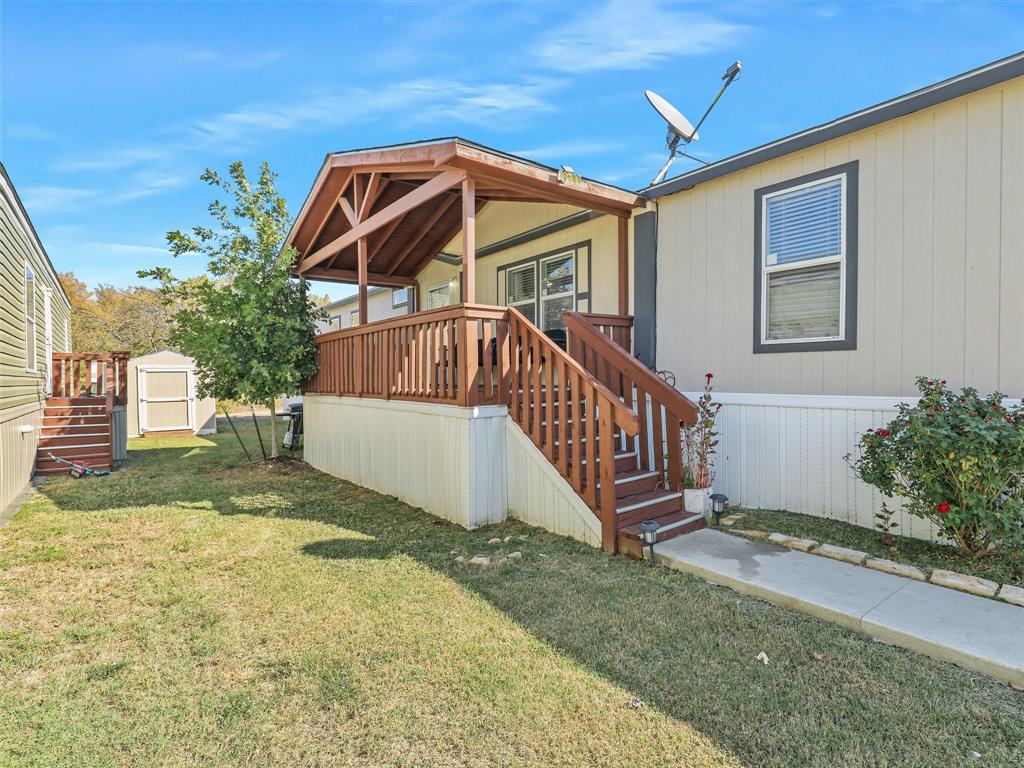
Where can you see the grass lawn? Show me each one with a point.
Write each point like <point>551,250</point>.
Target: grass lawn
<point>1006,567</point>
<point>191,610</point>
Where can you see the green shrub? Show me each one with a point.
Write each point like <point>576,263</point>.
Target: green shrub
<point>957,459</point>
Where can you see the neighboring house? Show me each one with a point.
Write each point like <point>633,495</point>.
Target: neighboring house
<point>816,276</point>
<point>34,324</point>
<point>381,303</point>
<point>162,399</point>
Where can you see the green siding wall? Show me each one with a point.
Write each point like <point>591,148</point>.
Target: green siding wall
<point>18,246</point>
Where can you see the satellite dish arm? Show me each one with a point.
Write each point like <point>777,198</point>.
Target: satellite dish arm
<point>730,74</point>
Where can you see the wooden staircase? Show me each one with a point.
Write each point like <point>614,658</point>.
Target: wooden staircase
<point>77,423</point>
<point>649,483</point>
<point>75,429</point>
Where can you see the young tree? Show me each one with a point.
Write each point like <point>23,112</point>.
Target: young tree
<point>247,323</point>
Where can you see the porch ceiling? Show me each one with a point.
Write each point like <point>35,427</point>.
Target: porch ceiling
<point>405,203</point>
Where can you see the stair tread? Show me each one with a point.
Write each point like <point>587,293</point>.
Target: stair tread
<point>663,520</point>
<point>647,497</point>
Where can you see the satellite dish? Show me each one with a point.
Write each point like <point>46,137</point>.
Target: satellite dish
<point>677,123</point>
<point>679,128</point>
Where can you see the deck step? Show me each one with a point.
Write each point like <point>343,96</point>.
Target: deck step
<point>49,442</point>
<point>672,525</point>
<point>647,506</point>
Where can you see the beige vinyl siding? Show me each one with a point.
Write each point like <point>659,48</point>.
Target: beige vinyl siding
<point>940,260</point>
<point>499,221</point>
<point>18,245</point>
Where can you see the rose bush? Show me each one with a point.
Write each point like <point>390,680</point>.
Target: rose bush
<point>957,459</point>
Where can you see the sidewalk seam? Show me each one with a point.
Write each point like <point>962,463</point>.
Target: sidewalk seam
<point>884,599</point>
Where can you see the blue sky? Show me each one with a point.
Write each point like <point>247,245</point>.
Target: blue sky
<point>110,111</point>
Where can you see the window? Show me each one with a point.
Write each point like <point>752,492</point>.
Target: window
<point>353,317</point>
<point>805,263</point>
<point>521,290</point>
<point>557,290</point>
<point>546,303</point>
<point>399,297</point>
<point>30,319</point>
<point>439,295</point>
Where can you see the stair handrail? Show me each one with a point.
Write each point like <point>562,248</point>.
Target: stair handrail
<point>624,418</point>
<point>682,406</point>
<point>531,353</point>
<point>663,409</point>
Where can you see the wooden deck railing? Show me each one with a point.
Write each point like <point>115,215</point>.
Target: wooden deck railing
<point>479,355</point>
<point>417,357</point>
<point>662,409</point>
<point>618,328</point>
<point>90,375</point>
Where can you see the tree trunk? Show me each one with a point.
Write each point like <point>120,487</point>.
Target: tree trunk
<point>273,431</point>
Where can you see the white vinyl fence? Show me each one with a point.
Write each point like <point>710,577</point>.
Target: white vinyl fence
<point>787,452</point>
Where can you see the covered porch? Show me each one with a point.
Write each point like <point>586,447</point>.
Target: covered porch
<point>391,216</point>
<point>583,414</point>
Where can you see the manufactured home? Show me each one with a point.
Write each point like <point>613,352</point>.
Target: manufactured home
<point>35,324</point>
<point>381,303</point>
<point>53,403</point>
<point>816,276</point>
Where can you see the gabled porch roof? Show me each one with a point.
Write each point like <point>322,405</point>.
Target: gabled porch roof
<point>379,215</point>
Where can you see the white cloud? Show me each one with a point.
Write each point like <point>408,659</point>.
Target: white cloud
<point>569,149</point>
<point>639,35</point>
<point>123,249</point>
<point>416,101</point>
<point>26,132</point>
<point>51,198</point>
<point>146,185</point>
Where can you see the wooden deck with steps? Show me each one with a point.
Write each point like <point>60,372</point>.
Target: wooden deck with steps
<point>583,407</point>
<point>77,422</point>
<point>75,429</point>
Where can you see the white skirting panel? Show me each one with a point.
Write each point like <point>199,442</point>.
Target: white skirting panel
<point>19,438</point>
<point>450,461</point>
<point>787,452</point>
<point>539,495</point>
<point>472,466</point>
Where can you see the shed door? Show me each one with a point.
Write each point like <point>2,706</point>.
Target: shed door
<point>165,399</point>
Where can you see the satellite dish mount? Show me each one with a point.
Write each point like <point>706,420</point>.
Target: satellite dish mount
<point>679,129</point>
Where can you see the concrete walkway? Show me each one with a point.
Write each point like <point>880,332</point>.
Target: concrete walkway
<point>980,634</point>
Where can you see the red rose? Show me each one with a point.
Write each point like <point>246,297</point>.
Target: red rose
<point>942,508</point>
<point>883,433</point>
<point>942,382</point>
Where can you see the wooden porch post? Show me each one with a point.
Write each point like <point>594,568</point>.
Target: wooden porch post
<point>468,241</point>
<point>362,278</point>
<point>623,265</point>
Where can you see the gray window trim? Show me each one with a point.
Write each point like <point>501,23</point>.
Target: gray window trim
<point>850,170</point>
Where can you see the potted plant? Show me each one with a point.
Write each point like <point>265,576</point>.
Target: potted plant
<point>700,441</point>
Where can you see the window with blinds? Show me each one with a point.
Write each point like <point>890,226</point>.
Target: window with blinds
<point>803,262</point>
